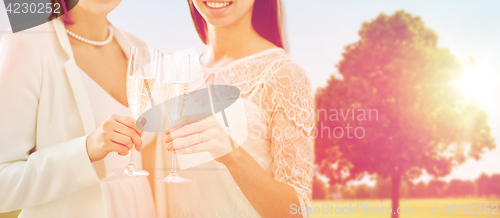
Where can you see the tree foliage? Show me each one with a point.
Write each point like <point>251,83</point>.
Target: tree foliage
<point>423,122</point>
<point>320,189</point>
<point>484,186</point>
<point>488,185</point>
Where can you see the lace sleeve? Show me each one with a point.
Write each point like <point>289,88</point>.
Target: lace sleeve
<point>289,97</point>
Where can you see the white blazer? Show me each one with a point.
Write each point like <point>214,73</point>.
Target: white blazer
<point>45,117</point>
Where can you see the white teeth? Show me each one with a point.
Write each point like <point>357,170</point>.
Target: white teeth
<point>217,4</point>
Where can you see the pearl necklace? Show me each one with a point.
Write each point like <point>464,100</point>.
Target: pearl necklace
<point>95,43</point>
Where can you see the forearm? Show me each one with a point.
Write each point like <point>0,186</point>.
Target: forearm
<point>269,197</point>
<point>48,174</point>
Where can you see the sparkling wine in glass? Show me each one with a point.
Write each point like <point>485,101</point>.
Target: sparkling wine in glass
<point>138,94</point>
<point>144,64</point>
<point>174,91</point>
<point>174,96</point>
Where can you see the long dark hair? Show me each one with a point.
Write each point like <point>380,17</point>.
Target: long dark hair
<point>266,20</point>
<point>63,7</point>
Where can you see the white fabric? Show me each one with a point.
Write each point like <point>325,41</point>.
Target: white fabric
<point>124,196</point>
<point>45,116</point>
<point>280,115</point>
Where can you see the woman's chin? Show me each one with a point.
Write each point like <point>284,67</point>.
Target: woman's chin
<point>100,9</point>
<point>220,21</point>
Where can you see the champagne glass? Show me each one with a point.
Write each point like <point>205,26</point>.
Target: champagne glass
<point>174,80</point>
<point>143,66</point>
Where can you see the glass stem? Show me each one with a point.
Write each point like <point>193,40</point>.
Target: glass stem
<point>174,163</point>
<point>132,152</point>
<point>132,156</point>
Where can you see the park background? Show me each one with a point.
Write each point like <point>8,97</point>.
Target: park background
<point>316,34</point>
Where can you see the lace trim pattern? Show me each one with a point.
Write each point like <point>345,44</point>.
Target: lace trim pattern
<point>281,91</point>
<point>281,88</point>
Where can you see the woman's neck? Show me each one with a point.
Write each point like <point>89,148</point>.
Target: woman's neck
<point>232,42</point>
<point>88,25</point>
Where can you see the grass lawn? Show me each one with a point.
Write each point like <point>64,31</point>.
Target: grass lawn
<point>411,206</point>
<point>12,214</point>
<point>405,203</point>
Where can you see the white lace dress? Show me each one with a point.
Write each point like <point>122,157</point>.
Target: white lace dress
<point>279,108</point>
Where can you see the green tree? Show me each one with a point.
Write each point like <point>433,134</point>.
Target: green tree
<point>436,188</point>
<point>320,189</point>
<point>495,181</point>
<point>363,191</point>
<point>493,186</point>
<point>383,188</point>
<point>419,190</point>
<point>482,185</point>
<point>348,192</point>
<point>459,188</point>
<point>398,94</point>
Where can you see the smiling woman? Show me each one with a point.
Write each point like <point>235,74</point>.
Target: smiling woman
<point>266,16</point>
<point>272,169</point>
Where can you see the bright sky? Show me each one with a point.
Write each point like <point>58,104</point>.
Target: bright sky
<point>318,30</point>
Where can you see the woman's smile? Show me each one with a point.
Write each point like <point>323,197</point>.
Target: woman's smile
<point>217,7</point>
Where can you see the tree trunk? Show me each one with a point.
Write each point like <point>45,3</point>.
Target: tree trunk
<point>396,183</point>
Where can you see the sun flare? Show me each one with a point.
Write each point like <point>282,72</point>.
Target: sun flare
<point>476,82</point>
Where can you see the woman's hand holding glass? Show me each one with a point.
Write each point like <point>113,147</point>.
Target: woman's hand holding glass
<point>115,134</point>
<point>205,135</point>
